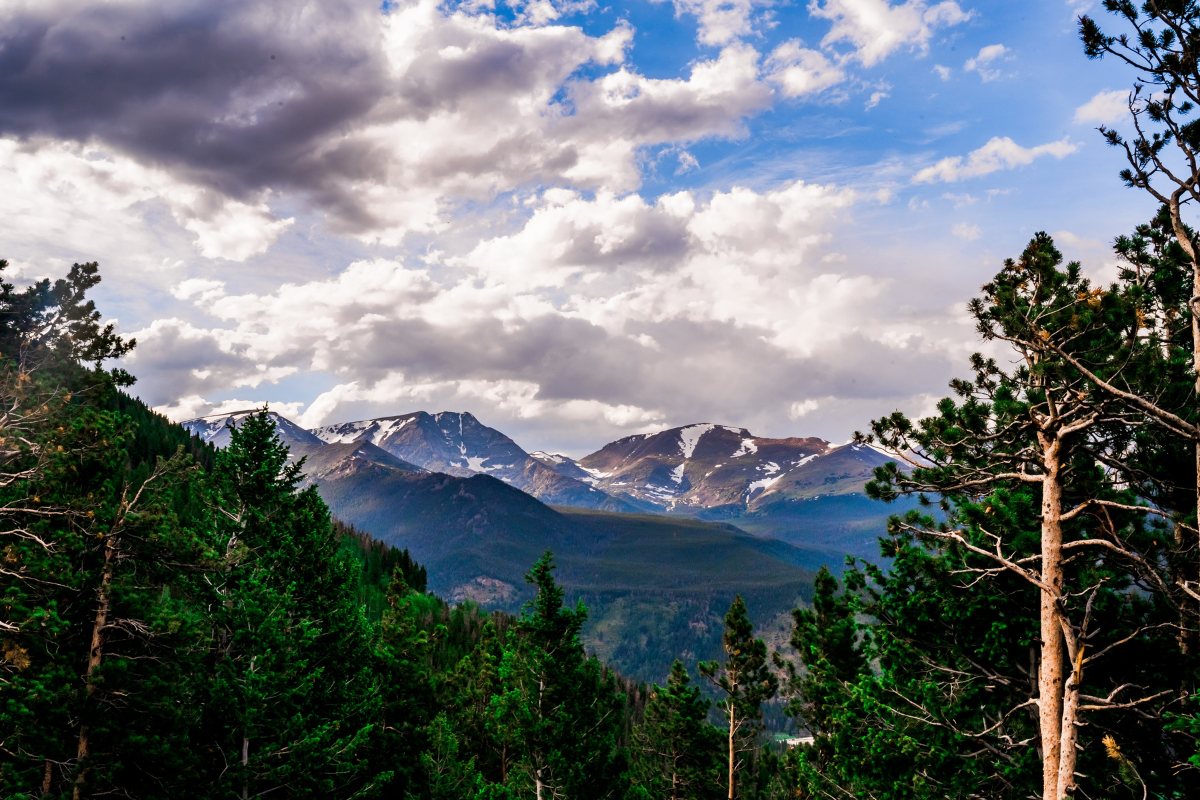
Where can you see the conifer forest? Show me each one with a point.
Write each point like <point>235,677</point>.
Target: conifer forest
<point>184,620</point>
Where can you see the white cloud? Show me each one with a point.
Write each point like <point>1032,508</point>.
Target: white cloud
<point>195,406</point>
<point>875,28</point>
<point>802,408</point>
<point>942,72</point>
<point>453,106</point>
<point>960,200</point>
<point>84,197</point>
<point>876,97</point>
<point>1105,108</point>
<point>965,231</point>
<point>798,71</point>
<point>722,21</point>
<point>982,63</point>
<point>999,153</point>
<point>687,162</point>
<point>515,399</point>
<point>593,313</point>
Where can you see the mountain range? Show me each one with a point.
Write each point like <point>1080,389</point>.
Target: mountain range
<point>476,510</point>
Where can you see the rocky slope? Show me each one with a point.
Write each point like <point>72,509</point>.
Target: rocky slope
<point>459,444</point>
<point>215,429</point>
<point>720,470</point>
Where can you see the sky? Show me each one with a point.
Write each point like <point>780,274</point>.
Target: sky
<point>576,220</point>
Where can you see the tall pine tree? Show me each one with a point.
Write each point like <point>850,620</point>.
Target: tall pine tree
<point>746,680</point>
<point>678,750</point>
<point>557,714</point>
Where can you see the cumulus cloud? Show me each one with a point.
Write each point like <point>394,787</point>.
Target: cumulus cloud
<point>875,28</point>
<point>984,62</point>
<point>514,398</point>
<point>381,122</point>
<point>597,312</point>
<point>56,188</point>
<point>1105,108</point>
<point>798,71</point>
<point>999,153</point>
<point>195,406</point>
<point>722,21</point>
<point>586,306</point>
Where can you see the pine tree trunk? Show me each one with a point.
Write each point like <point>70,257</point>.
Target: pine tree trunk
<point>1050,676</point>
<point>95,655</point>
<point>732,725</point>
<point>1187,639</point>
<point>48,778</point>
<point>245,764</point>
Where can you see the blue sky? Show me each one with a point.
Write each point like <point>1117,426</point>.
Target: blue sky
<point>577,221</point>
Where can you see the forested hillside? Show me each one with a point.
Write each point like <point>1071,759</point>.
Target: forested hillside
<point>183,621</point>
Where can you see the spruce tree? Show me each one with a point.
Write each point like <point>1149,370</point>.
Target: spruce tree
<point>746,680</point>
<point>408,702</point>
<point>556,714</point>
<point>828,639</point>
<point>678,750</point>
<point>292,705</point>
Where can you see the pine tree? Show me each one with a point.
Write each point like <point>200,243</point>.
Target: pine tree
<point>292,703</point>
<point>1161,43</point>
<point>408,702</point>
<point>679,751</point>
<point>746,681</point>
<point>556,714</point>
<point>828,641</point>
<point>466,694</point>
<point>98,563</point>
<point>1038,482</point>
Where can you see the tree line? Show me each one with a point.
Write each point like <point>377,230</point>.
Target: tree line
<point>179,621</point>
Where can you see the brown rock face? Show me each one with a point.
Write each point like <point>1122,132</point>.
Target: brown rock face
<point>459,444</point>
<point>717,467</point>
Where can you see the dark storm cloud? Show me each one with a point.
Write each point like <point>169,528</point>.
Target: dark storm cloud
<point>236,95</point>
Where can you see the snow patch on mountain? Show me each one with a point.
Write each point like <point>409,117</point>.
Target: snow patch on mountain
<point>763,484</point>
<point>388,427</point>
<point>677,474</point>
<point>543,456</point>
<point>747,447</point>
<point>689,437</point>
<point>215,429</point>
<point>374,430</point>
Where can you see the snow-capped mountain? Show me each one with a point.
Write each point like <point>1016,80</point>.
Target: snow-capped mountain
<point>563,465</point>
<point>215,429</point>
<point>703,468</point>
<point>459,444</point>
<point>708,467</point>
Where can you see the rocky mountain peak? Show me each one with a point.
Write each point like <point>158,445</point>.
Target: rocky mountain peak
<point>706,467</point>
